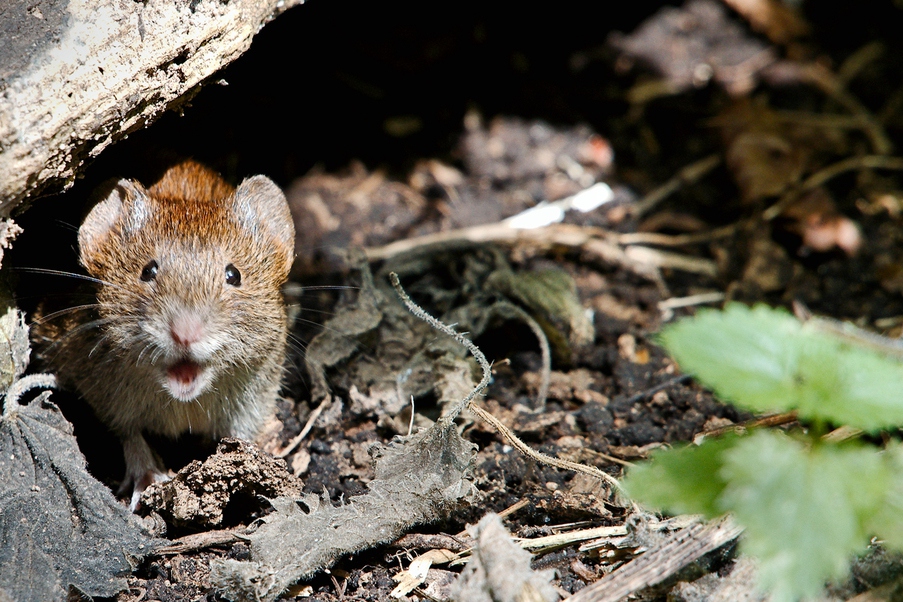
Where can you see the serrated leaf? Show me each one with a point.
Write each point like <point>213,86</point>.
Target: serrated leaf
<point>747,356</point>
<point>684,480</point>
<point>763,359</point>
<point>58,525</point>
<point>887,520</point>
<point>849,385</point>
<point>805,510</point>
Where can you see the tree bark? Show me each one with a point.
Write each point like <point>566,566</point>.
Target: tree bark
<point>78,75</point>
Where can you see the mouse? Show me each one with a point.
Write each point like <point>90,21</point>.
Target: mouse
<point>189,330</point>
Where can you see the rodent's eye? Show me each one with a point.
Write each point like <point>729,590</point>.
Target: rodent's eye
<point>150,271</point>
<point>233,276</point>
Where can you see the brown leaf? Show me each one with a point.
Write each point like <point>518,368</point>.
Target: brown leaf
<point>774,18</point>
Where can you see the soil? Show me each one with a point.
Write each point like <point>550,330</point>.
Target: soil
<point>406,126</point>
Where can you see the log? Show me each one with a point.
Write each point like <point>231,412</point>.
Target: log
<point>78,75</point>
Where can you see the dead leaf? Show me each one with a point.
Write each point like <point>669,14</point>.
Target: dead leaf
<point>696,43</point>
<point>777,20</point>
<point>499,569</point>
<point>768,152</point>
<point>418,479</point>
<point>14,347</point>
<point>550,297</point>
<point>59,527</point>
<point>354,209</point>
<point>9,230</point>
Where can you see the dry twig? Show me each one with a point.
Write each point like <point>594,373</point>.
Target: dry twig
<point>688,175</point>
<point>832,171</point>
<point>660,562</point>
<point>311,420</point>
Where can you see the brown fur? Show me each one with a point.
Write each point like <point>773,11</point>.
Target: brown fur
<point>193,225</point>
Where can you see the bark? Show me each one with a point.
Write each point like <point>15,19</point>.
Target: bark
<point>77,75</point>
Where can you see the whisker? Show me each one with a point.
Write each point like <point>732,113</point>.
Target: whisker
<point>78,329</point>
<point>324,312</point>
<point>329,287</point>
<point>325,327</point>
<point>62,312</point>
<point>297,343</point>
<point>70,275</point>
<point>66,225</point>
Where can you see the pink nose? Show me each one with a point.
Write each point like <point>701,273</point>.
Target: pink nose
<point>186,329</point>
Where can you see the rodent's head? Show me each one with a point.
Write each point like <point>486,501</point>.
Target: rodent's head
<point>192,271</point>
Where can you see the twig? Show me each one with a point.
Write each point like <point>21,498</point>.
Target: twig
<point>690,301</point>
<point>487,372</point>
<point>545,351</point>
<point>832,121</point>
<point>653,390</point>
<point>829,172</point>
<point>201,541</point>
<point>596,243</point>
<point>676,240</point>
<point>856,63</point>
<point>770,420</point>
<point>690,174</point>
<point>539,456</point>
<point>512,509</point>
<point>660,562</point>
<point>551,541</point>
<point>606,457</point>
<point>668,306</point>
<point>834,87</point>
<point>842,433</point>
<point>674,261</point>
<point>563,539</point>
<point>307,427</point>
<point>503,515</point>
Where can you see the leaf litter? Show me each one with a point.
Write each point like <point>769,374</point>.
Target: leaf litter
<point>61,529</point>
<point>711,219</point>
<point>418,479</point>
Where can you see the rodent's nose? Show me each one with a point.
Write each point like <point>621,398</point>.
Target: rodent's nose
<point>186,329</point>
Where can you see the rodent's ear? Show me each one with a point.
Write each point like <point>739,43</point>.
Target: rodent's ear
<point>122,207</point>
<point>261,205</point>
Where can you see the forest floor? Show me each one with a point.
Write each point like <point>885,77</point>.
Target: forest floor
<point>739,157</point>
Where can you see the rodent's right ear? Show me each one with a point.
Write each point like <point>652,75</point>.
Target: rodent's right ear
<point>121,208</point>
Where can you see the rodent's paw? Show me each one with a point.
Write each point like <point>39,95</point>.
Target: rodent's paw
<point>146,480</point>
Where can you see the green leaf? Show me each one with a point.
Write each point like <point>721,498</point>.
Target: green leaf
<point>887,520</point>
<point>763,359</point>
<point>805,510</point>
<point>747,356</point>
<point>849,385</point>
<point>682,480</point>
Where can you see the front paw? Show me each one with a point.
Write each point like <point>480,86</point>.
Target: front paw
<point>139,484</point>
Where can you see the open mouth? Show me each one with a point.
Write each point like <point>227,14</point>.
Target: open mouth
<point>186,379</point>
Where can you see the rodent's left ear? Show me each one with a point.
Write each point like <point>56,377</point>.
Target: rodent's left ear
<point>261,205</point>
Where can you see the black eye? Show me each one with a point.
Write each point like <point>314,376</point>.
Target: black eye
<point>150,271</point>
<point>233,276</point>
